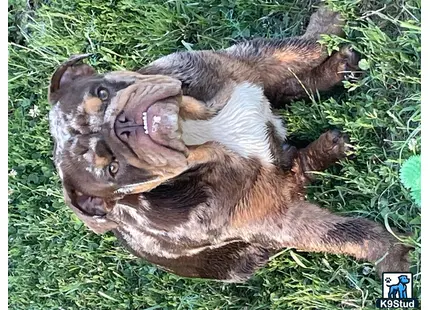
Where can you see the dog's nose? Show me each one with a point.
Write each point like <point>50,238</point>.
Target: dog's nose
<point>121,118</point>
<point>124,127</point>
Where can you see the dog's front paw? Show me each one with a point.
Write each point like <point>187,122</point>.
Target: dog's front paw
<point>335,144</point>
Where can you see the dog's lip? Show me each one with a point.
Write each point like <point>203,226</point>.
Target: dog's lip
<point>149,118</point>
<point>138,103</point>
<point>157,112</point>
<point>163,125</point>
<point>151,114</point>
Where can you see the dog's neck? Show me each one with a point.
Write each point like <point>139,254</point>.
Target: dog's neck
<point>242,125</point>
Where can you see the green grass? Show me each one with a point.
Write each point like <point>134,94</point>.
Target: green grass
<point>56,263</point>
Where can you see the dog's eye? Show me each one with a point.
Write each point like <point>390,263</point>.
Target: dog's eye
<point>113,168</point>
<point>103,94</point>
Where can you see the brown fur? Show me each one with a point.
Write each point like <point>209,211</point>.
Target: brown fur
<point>207,210</point>
<point>269,194</point>
<point>191,108</point>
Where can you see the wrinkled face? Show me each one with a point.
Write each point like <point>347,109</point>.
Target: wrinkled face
<point>114,134</point>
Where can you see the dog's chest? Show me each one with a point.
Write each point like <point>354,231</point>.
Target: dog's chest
<point>242,125</point>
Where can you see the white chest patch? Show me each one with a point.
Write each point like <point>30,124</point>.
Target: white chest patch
<point>241,125</point>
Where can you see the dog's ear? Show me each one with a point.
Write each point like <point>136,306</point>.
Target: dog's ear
<point>92,211</point>
<point>67,72</point>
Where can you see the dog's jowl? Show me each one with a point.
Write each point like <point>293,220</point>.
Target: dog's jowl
<point>184,159</point>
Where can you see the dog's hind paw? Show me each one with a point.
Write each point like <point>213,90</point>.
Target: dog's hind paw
<point>396,260</point>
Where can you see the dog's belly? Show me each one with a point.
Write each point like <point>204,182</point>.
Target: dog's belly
<point>241,125</point>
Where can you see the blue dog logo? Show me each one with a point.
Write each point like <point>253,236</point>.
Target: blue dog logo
<point>398,295</point>
<point>399,290</point>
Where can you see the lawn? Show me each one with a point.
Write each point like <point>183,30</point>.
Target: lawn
<point>56,263</point>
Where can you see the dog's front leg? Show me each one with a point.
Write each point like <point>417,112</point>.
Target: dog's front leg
<point>206,153</point>
<point>319,155</point>
<point>191,108</point>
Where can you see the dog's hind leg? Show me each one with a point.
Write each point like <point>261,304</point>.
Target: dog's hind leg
<point>341,66</point>
<point>265,62</point>
<point>305,226</point>
<point>291,56</point>
<point>324,21</point>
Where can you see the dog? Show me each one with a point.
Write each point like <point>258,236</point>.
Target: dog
<point>399,288</point>
<point>185,162</point>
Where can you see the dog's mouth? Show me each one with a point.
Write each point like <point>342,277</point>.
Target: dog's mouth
<point>157,123</point>
<point>148,122</point>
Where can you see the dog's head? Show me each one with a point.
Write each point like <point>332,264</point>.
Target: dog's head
<point>403,279</point>
<point>115,134</point>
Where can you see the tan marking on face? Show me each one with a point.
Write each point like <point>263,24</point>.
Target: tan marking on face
<point>92,105</point>
<point>100,162</point>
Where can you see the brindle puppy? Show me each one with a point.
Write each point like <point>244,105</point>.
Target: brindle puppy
<point>183,159</point>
